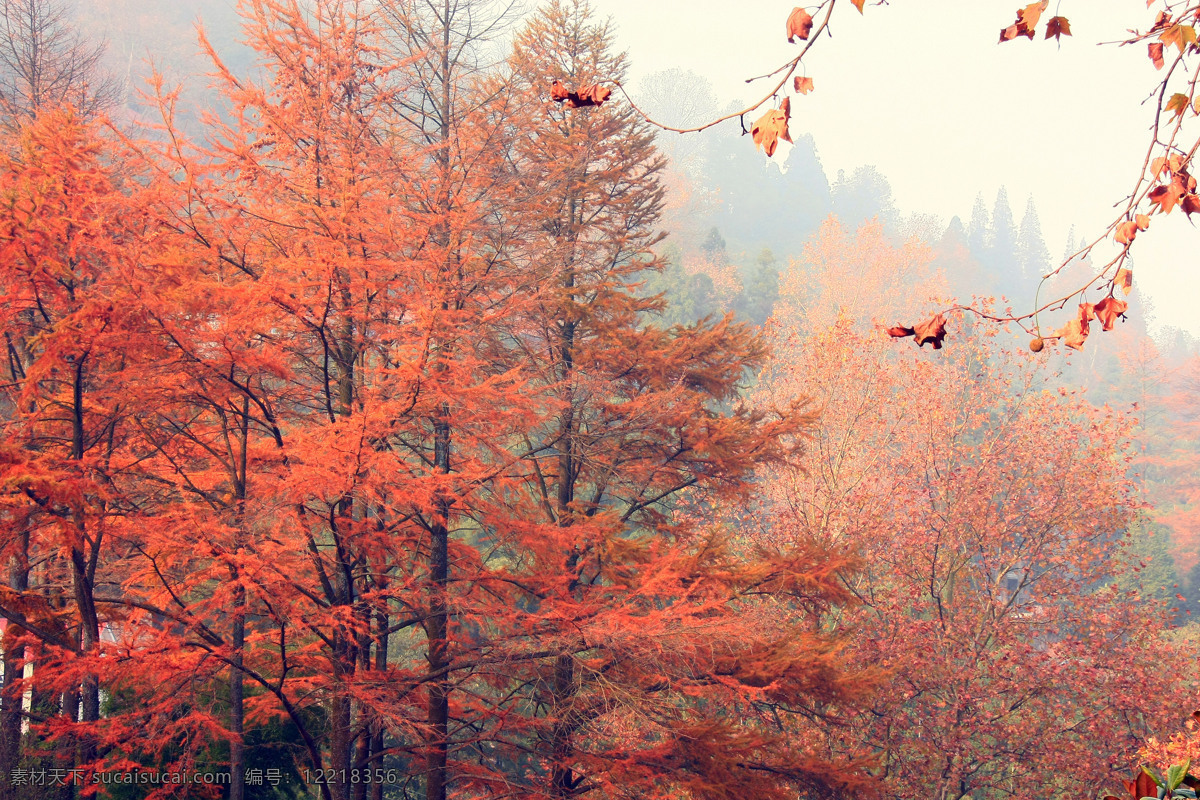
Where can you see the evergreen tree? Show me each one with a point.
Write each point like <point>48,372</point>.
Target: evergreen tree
<point>1032,255</point>
<point>977,230</point>
<point>752,191</point>
<point>863,196</point>
<point>1070,247</point>
<point>760,288</point>
<point>1001,257</point>
<point>687,298</point>
<point>714,245</point>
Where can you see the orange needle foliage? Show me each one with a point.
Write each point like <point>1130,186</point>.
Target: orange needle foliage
<point>72,235</point>
<point>354,427</point>
<point>368,403</point>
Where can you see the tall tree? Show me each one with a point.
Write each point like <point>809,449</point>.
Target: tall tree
<point>978,230</point>
<point>628,649</point>
<point>45,62</point>
<point>1001,257</point>
<point>1032,255</point>
<point>70,236</point>
<point>451,111</point>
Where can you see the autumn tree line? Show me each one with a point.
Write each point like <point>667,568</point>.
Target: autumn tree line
<point>349,441</point>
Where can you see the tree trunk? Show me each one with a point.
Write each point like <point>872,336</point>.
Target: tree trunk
<point>341,708</point>
<point>237,754</point>
<point>438,656</point>
<point>436,630</point>
<point>362,747</point>
<point>11,700</point>
<point>381,659</point>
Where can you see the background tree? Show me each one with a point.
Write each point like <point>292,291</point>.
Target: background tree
<point>862,196</point>
<point>1001,254</point>
<point>45,62</point>
<point>990,511</point>
<point>1032,256</point>
<point>450,110</point>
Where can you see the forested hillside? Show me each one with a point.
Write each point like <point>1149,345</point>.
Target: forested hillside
<point>376,424</point>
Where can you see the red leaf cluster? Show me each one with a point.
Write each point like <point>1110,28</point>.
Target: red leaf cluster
<point>1179,190</point>
<point>1027,19</point>
<point>592,95</point>
<point>1126,231</point>
<point>1106,312</point>
<point>931,331</point>
<point>1075,332</point>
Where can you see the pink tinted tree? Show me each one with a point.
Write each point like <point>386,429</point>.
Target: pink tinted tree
<point>990,511</point>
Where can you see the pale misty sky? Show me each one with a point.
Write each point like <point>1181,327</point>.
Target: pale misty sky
<point>923,91</point>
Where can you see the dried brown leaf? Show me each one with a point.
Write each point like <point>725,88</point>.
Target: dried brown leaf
<point>1107,311</point>
<point>799,25</point>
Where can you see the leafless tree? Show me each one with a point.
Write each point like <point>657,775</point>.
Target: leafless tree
<point>45,61</point>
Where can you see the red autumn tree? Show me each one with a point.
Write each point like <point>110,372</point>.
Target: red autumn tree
<point>990,511</point>
<point>72,233</point>
<point>334,401</point>
<point>297,330</point>
<point>626,666</point>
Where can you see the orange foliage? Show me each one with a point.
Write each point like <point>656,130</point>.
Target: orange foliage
<point>383,448</point>
<point>989,510</point>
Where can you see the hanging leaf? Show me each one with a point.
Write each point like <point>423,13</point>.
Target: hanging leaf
<point>1058,27</point>
<point>1027,19</point>
<point>1124,280</point>
<point>771,127</point>
<point>1156,54</point>
<point>1166,197</point>
<point>1178,103</point>
<point>1107,311</point>
<point>1126,231</point>
<point>1074,334</point>
<point>1179,35</point>
<point>799,25</point>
